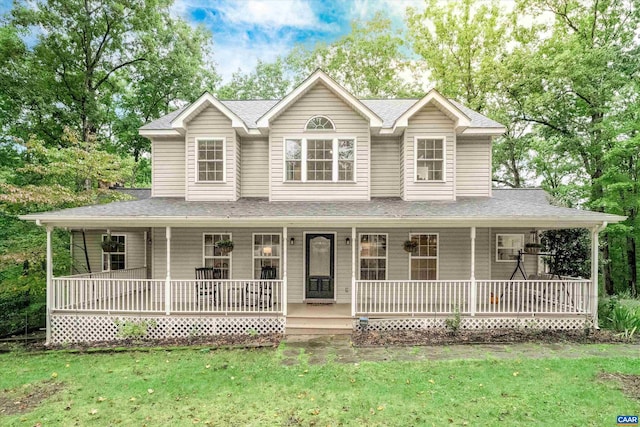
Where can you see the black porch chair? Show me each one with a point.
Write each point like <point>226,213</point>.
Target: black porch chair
<point>203,287</point>
<point>262,296</point>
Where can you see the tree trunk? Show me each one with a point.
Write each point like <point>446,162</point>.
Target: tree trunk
<point>606,266</point>
<point>633,266</point>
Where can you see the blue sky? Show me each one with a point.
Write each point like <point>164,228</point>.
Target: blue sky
<point>247,30</point>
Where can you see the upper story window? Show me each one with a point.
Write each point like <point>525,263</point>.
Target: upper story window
<point>429,159</point>
<point>211,159</point>
<point>320,123</point>
<point>320,159</point>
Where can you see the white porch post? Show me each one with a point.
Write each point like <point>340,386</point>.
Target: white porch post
<point>108,255</point>
<point>49,296</point>
<point>354,247</point>
<point>285,245</point>
<point>145,248</point>
<point>167,283</point>
<point>474,287</point>
<point>594,272</point>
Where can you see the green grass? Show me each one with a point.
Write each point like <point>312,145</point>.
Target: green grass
<point>253,387</point>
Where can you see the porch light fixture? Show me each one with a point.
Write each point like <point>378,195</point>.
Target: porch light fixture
<point>292,241</point>
<point>348,241</point>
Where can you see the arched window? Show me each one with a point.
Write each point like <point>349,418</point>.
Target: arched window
<point>320,123</point>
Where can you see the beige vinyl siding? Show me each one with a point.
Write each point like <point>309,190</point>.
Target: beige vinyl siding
<point>503,270</point>
<point>167,167</point>
<point>134,250</point>
<point>319,100</point>
<point>429,122</point>
<point>238,172</point>
<point>473,171</point>
<point>385,167</point>
<point>255,168</point>
<point>211,123</point>
<point>402,169</point>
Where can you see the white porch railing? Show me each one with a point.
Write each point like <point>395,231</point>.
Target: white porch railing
<point>148,296</point>
<point>129,273</point>
<point>534,296</point>
<point>492,296</point>
<point>110,295</point>
<point>412,297</point>
<point>226,296</point>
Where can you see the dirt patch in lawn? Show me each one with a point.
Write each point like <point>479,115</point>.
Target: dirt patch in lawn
<point>491,336</point>
<point>215,341</point>
<point>629,383</point>
<point>28,397</point>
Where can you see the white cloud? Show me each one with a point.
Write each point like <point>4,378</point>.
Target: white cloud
<point>271,14</point>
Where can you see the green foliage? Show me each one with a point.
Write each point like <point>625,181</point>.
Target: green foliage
<point>454,322</point>
<point>267,81</point>
<point>134,329</point>
<point>572,248</point>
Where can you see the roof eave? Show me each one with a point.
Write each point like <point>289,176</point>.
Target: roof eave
<point>180,122</point>
<point>462,121</point>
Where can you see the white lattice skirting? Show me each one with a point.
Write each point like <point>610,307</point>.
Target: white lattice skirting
<point>66,328</point>
<point>478,323</point>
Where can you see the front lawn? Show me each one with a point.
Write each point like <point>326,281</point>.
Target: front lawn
<point>254,387</point>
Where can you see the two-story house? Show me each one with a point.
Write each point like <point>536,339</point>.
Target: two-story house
<point>338,209</point>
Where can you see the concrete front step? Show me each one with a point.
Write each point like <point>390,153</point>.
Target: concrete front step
<point>316,331</point>
<point>335,325</point>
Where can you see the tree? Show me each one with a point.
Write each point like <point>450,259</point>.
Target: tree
<point>461,43</point>
<point>267,81</point>
<point>369,61</point>
<point>569,84</point>
<point>89,53</point>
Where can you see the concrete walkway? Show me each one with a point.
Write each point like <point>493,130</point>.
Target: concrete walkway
<point>338,349</point>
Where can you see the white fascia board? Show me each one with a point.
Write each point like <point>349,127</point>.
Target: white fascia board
<point>319,75</point>
<point>495,131</point>
<point>462,120</point>
<point>427,222</point>
<point>236,122</point>
<point>158,132</point>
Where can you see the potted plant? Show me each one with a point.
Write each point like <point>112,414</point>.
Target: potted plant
<point>532,248</point>
<point>225,246</point>
<point>110,245</point>
<point>410,245</point>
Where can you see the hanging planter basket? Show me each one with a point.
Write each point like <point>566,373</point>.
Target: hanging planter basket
<point>225,246</point>
<point>532,248</point>
<point>409,245</point>
<point>109,245</point>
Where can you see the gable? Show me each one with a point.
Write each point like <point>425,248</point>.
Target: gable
<point>319,100</point>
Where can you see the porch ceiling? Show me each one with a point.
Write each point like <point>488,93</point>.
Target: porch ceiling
<point>507,208</point>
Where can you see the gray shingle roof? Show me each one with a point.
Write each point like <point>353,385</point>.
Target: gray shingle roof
<point>387,109</point>
<point>505,204</point>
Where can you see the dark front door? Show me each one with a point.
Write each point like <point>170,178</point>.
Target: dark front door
<point>320,266</point>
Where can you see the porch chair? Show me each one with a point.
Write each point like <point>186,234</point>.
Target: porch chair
<point>263,296</point>
<point>205,288</point>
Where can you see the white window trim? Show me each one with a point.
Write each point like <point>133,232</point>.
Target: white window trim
<point>415,159</point>
<point>103,252</point>
<point>386,256</point>
<point>254,257</point>
<point>437,257</point>
<point>303,169</point>
<point>498,235</point>
<point>224,159</point>
<point>320,130</point>
<point>230,256</point>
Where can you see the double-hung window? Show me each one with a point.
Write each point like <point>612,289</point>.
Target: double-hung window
<point>266,253</point>
<point>508,246</point>
<point>117,258</point>
<point>424,258</point>
<point>320,159</point>
<point>373,257</point>
<point>215,257</point>
<point>210,159</point>
<point>429,159</point>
